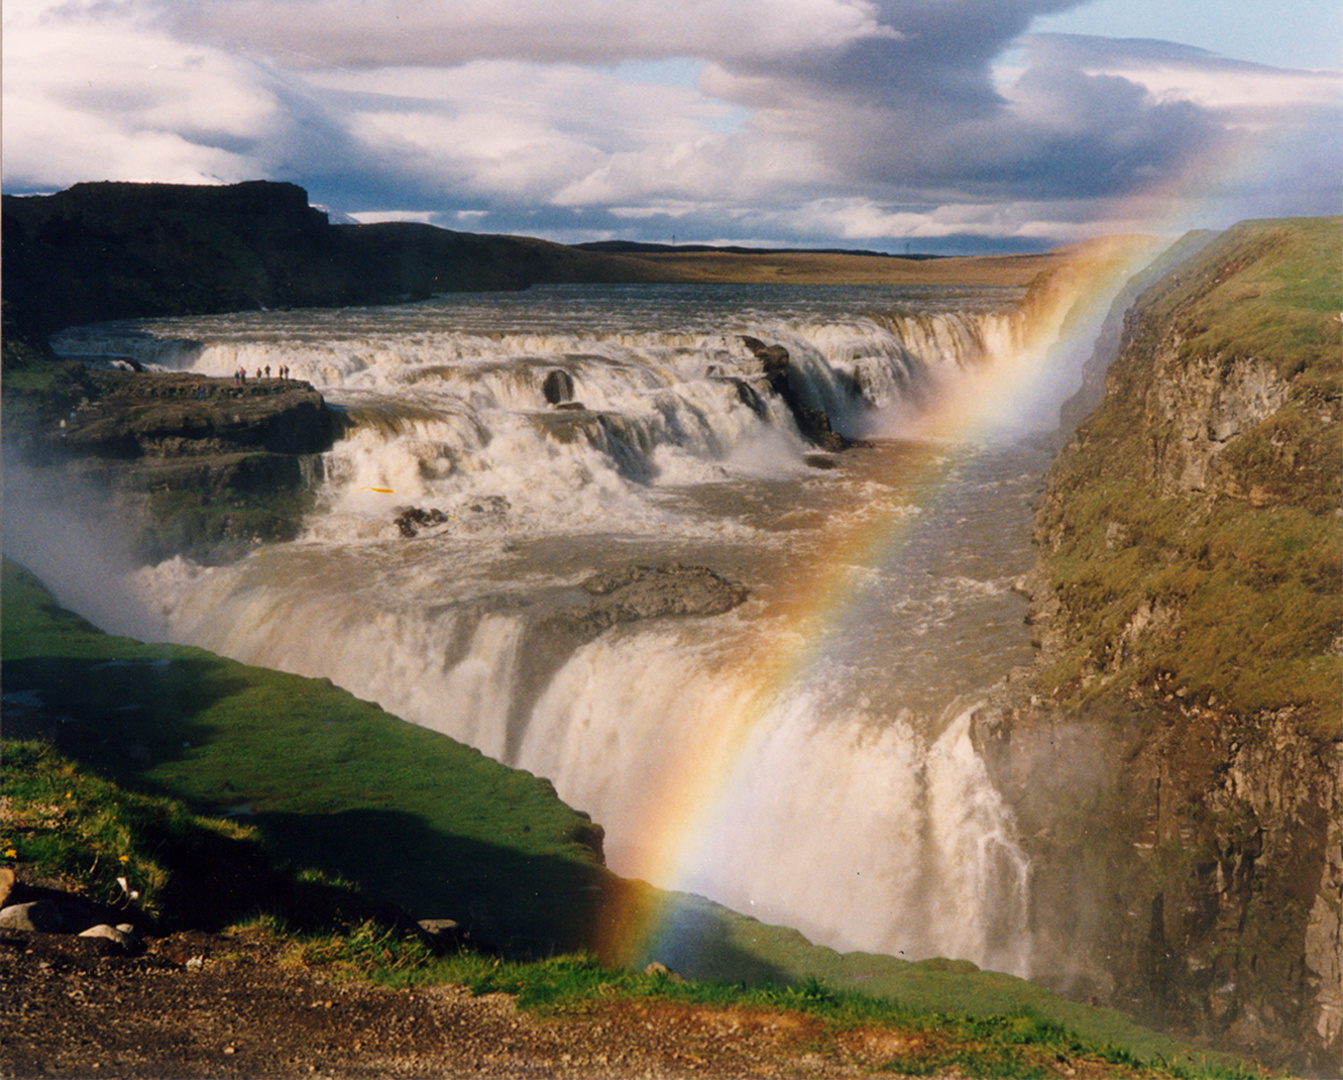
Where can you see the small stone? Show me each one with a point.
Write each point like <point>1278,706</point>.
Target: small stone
<point>111,933</point>
<point>40,916</point>
<point>658,969</point>
<point>443,930</point>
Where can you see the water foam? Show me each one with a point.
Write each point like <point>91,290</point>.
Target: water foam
<point>815,802</point>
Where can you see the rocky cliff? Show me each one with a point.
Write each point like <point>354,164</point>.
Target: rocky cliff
<point>102,251</point>
<point>1176,756</point>
<point>180,463</point>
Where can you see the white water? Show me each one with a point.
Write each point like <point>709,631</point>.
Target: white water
<point>848,800</point>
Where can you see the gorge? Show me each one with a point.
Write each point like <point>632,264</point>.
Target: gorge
<point>1145,813</point>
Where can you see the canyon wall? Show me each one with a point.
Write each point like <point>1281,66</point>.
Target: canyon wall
<point>101,251</point>
<point>1175,754</point>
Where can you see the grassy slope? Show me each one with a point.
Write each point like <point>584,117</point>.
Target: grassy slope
<point>80,831</point>
<point>1250,587</point>
<point>329,780</point>
<point>830,268</point>
<point>335,783</point>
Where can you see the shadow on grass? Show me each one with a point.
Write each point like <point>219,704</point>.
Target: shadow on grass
<point>119,716</point>
<point>335,784</point>
<point>137,722</point>
<point>512,902</point>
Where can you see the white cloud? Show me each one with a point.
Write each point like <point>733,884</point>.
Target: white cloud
<point>809,120</point>
<point>384,33</point>
<point>93,99</point>
<point>1174,73</point>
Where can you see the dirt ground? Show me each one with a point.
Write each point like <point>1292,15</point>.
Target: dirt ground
<point>237,1005</point>
<point>200,1005</point>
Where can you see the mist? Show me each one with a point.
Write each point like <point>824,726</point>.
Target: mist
<point>76,539</point>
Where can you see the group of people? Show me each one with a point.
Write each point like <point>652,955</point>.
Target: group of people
<point>240,376</point>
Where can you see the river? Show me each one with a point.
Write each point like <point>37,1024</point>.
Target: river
<point>804,757</point>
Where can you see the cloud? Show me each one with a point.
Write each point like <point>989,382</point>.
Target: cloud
<point>813,121</point>
<point>122,102</point>
<point>393,33</point>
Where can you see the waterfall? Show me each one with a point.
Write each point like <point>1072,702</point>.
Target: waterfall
<point>823,780</point>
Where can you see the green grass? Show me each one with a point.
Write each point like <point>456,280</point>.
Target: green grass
<point>172,738</point>
<point>149,856</point>
<point>1264,288</point>
<point>1016,1043</point>
<point>1245,585</point>
<point>91,833</point>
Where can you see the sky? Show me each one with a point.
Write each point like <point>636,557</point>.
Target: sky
<point>931,126</point>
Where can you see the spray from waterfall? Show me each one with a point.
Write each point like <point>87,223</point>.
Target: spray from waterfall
<point>780,758</point>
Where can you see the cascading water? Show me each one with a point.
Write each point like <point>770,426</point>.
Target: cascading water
<point>805,757</point>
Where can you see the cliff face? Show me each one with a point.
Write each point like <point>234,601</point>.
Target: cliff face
<point>1175,757</point>
<point>182,464</point>
<point>104,251</point>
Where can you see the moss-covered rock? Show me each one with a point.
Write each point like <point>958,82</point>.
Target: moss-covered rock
<point>1180,765</point>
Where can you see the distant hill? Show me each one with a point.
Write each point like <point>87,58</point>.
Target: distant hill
<point>630,247</point>
<point>103,251</point>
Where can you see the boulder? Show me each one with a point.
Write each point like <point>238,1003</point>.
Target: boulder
<point>558,386</point>
<point>126,937</point>
<point>37,916</point>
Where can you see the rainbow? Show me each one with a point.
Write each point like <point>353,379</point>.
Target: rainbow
<point>695,781</point>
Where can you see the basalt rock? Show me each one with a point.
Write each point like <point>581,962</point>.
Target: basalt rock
<point>192,464</point>
<point>779,373</point>
<point>412,519</point>
<point>1175,758</point>
<point>101,251</point>
<point>558,386</point>
<point>650,592</point>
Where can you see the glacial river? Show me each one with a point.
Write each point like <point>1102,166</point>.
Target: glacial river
<point>805,757</point>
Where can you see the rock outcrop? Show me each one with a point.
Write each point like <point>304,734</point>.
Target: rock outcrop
<point>651,592</point>
<point>780,376</point>
<point>103,251</point>
<point>1176,757</point>
<point>192,464</point>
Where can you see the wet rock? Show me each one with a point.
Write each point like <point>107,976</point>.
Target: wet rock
<point>193,465</point>
<point>811,422</point>
<point>558,386</point>
<point>647,592</point>
<point>413,518</point>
